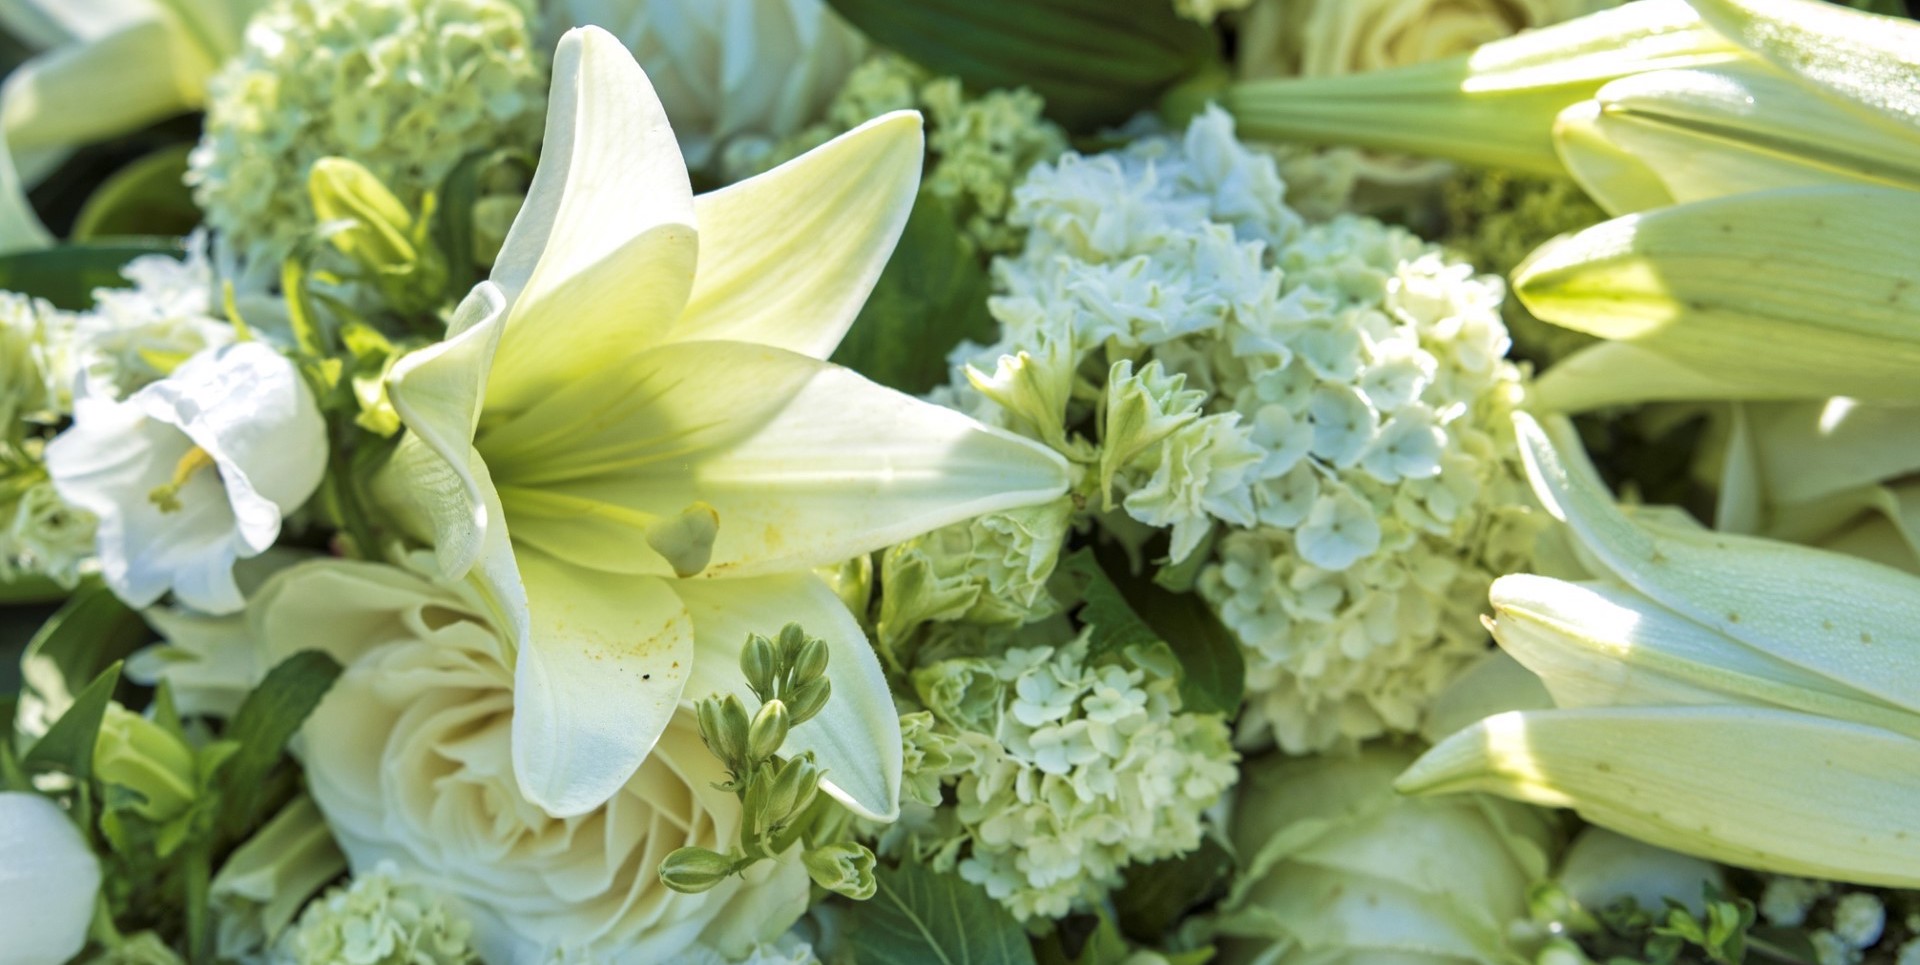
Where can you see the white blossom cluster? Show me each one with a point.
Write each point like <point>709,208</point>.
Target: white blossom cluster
<point>379,918</point>
<point>404,87</point>
<point>1070,772</point>
<point>1331,399</point>
<point>1845,927</point>
<point>990,570</point>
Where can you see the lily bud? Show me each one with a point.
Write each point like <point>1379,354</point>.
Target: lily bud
<point>811,663</point>
<point>844,868</point>
<point>376,230</point>
<point>757,663</point>
<point>1495,106</point>
<point>140,755</point>
<point>694,870</point>
<point>810,699</point>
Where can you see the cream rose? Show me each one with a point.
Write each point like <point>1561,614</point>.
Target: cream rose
<point>1318,38</point>
<point>408,758</point>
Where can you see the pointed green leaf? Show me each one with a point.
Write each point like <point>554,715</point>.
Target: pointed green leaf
<point>921,915</point>
<point>67,746</point>
<point>269,717</point>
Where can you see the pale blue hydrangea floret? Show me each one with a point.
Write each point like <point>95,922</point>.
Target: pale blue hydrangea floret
<point>1076,772</point>
<point>1333,398</point>
<point>404,87</point>
<point>380,918</point>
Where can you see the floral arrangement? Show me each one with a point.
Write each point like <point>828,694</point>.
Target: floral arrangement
<point>1056,482</point>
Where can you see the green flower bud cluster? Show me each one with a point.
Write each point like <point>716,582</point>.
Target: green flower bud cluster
<point>363,220</point>
<point>788,676</point>
<point>978,146</point>
<point>152,777</point>
<point>404,87</point>
<point>379,918</point>
<point>1495,219</point>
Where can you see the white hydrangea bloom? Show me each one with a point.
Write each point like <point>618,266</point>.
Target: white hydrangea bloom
<point>379,918</point>
<point>1859,919</point>
<point>193,472</point>
<point>46,535</point>
<point>733,74</point>
<point>404,87</point>
<point>1333,398</point>
<point>32,333</point>
<point>1078,771</point>
<point>990,569</point>
<point>135,336</point>
<point>1786,900</point>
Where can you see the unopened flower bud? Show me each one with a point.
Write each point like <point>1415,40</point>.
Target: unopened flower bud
<point>793,787</point>
<point>694,870</point>
<point>140,755</point>
<point>809,699</point>
<point>758,662</point>
<point>845,868</point>
<point>769,730</point>
<point>811,661</point>
<point>723,727</point>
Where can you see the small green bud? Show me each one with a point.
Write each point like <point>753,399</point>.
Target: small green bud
<point>694,870</point>
<point>844,868</point>
<point>811,661</point>
<point>792,638</point>
<point>723,727</point>
<point>769,730</point>
<point>759,663</point>
<point>809,699</point>
<point>136,753</point>
<point>756,812</point>
<point>793,787</point>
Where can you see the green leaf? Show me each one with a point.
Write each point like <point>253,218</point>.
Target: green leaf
<point>92,631</point>
<point>67,746</point>
<point>1126,609</point>
<point>932,294</point>
<point>66,275</point>
<point>1096,62</point>
<point>920,915</point>
<point>271,715</point>
<point>1156,896</point>
<point>148,197</point>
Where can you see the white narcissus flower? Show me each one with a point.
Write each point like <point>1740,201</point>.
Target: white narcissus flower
<point>645,461</point>
<point>193,472</point>
<point>48,880</point>
<point>729,71</point>
<point>409,758</point>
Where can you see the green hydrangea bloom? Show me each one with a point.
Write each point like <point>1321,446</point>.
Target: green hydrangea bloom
<point>978,146</point>
<point>405,87</point>
<point>992,569</point>
<point>378,919</point>
<point>1495,219</point>
<point>1068,772</point>
<point>1331,399</point>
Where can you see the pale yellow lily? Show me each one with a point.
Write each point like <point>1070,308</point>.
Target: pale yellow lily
<point>1753,702</point>
<point>665,444</point>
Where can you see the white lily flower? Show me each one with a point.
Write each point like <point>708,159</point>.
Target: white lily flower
<point>667,448</point>
<point>193,472</point>
<point>48,880</point>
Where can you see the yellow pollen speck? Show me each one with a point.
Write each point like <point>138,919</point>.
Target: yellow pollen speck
<point>167,496</point>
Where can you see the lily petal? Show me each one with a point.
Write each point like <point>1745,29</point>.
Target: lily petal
<point>1598,645</point>
<point>804,462</point>
<point>1865,59</point>
<point>791,255</point>
<point>857,736</point>
<point>1719,782</point>
<point>437,390</point>
<point>112,85</point>
<point>1617,373</point>
<point>20,226</point>
<point>597,682</point>
<point>604,245</point>
<point>1841,618</point>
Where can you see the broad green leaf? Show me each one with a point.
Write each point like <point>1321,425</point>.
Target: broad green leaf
<point>1115,627</point>
<point>90,632</point>
<point>1156,896</point>
<point>923,916</point>
<point>932,294</point>
<point>1798,292</point>
<point>67,746</point>
<point>271,715</point>
<point>1096,62</point>
<point>66,275</point>
<point>146,198</point>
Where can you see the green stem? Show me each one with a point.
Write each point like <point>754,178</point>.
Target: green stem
<point>197,868</point>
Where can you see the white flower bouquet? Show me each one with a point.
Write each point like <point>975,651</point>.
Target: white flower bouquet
<point>987,482</point>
